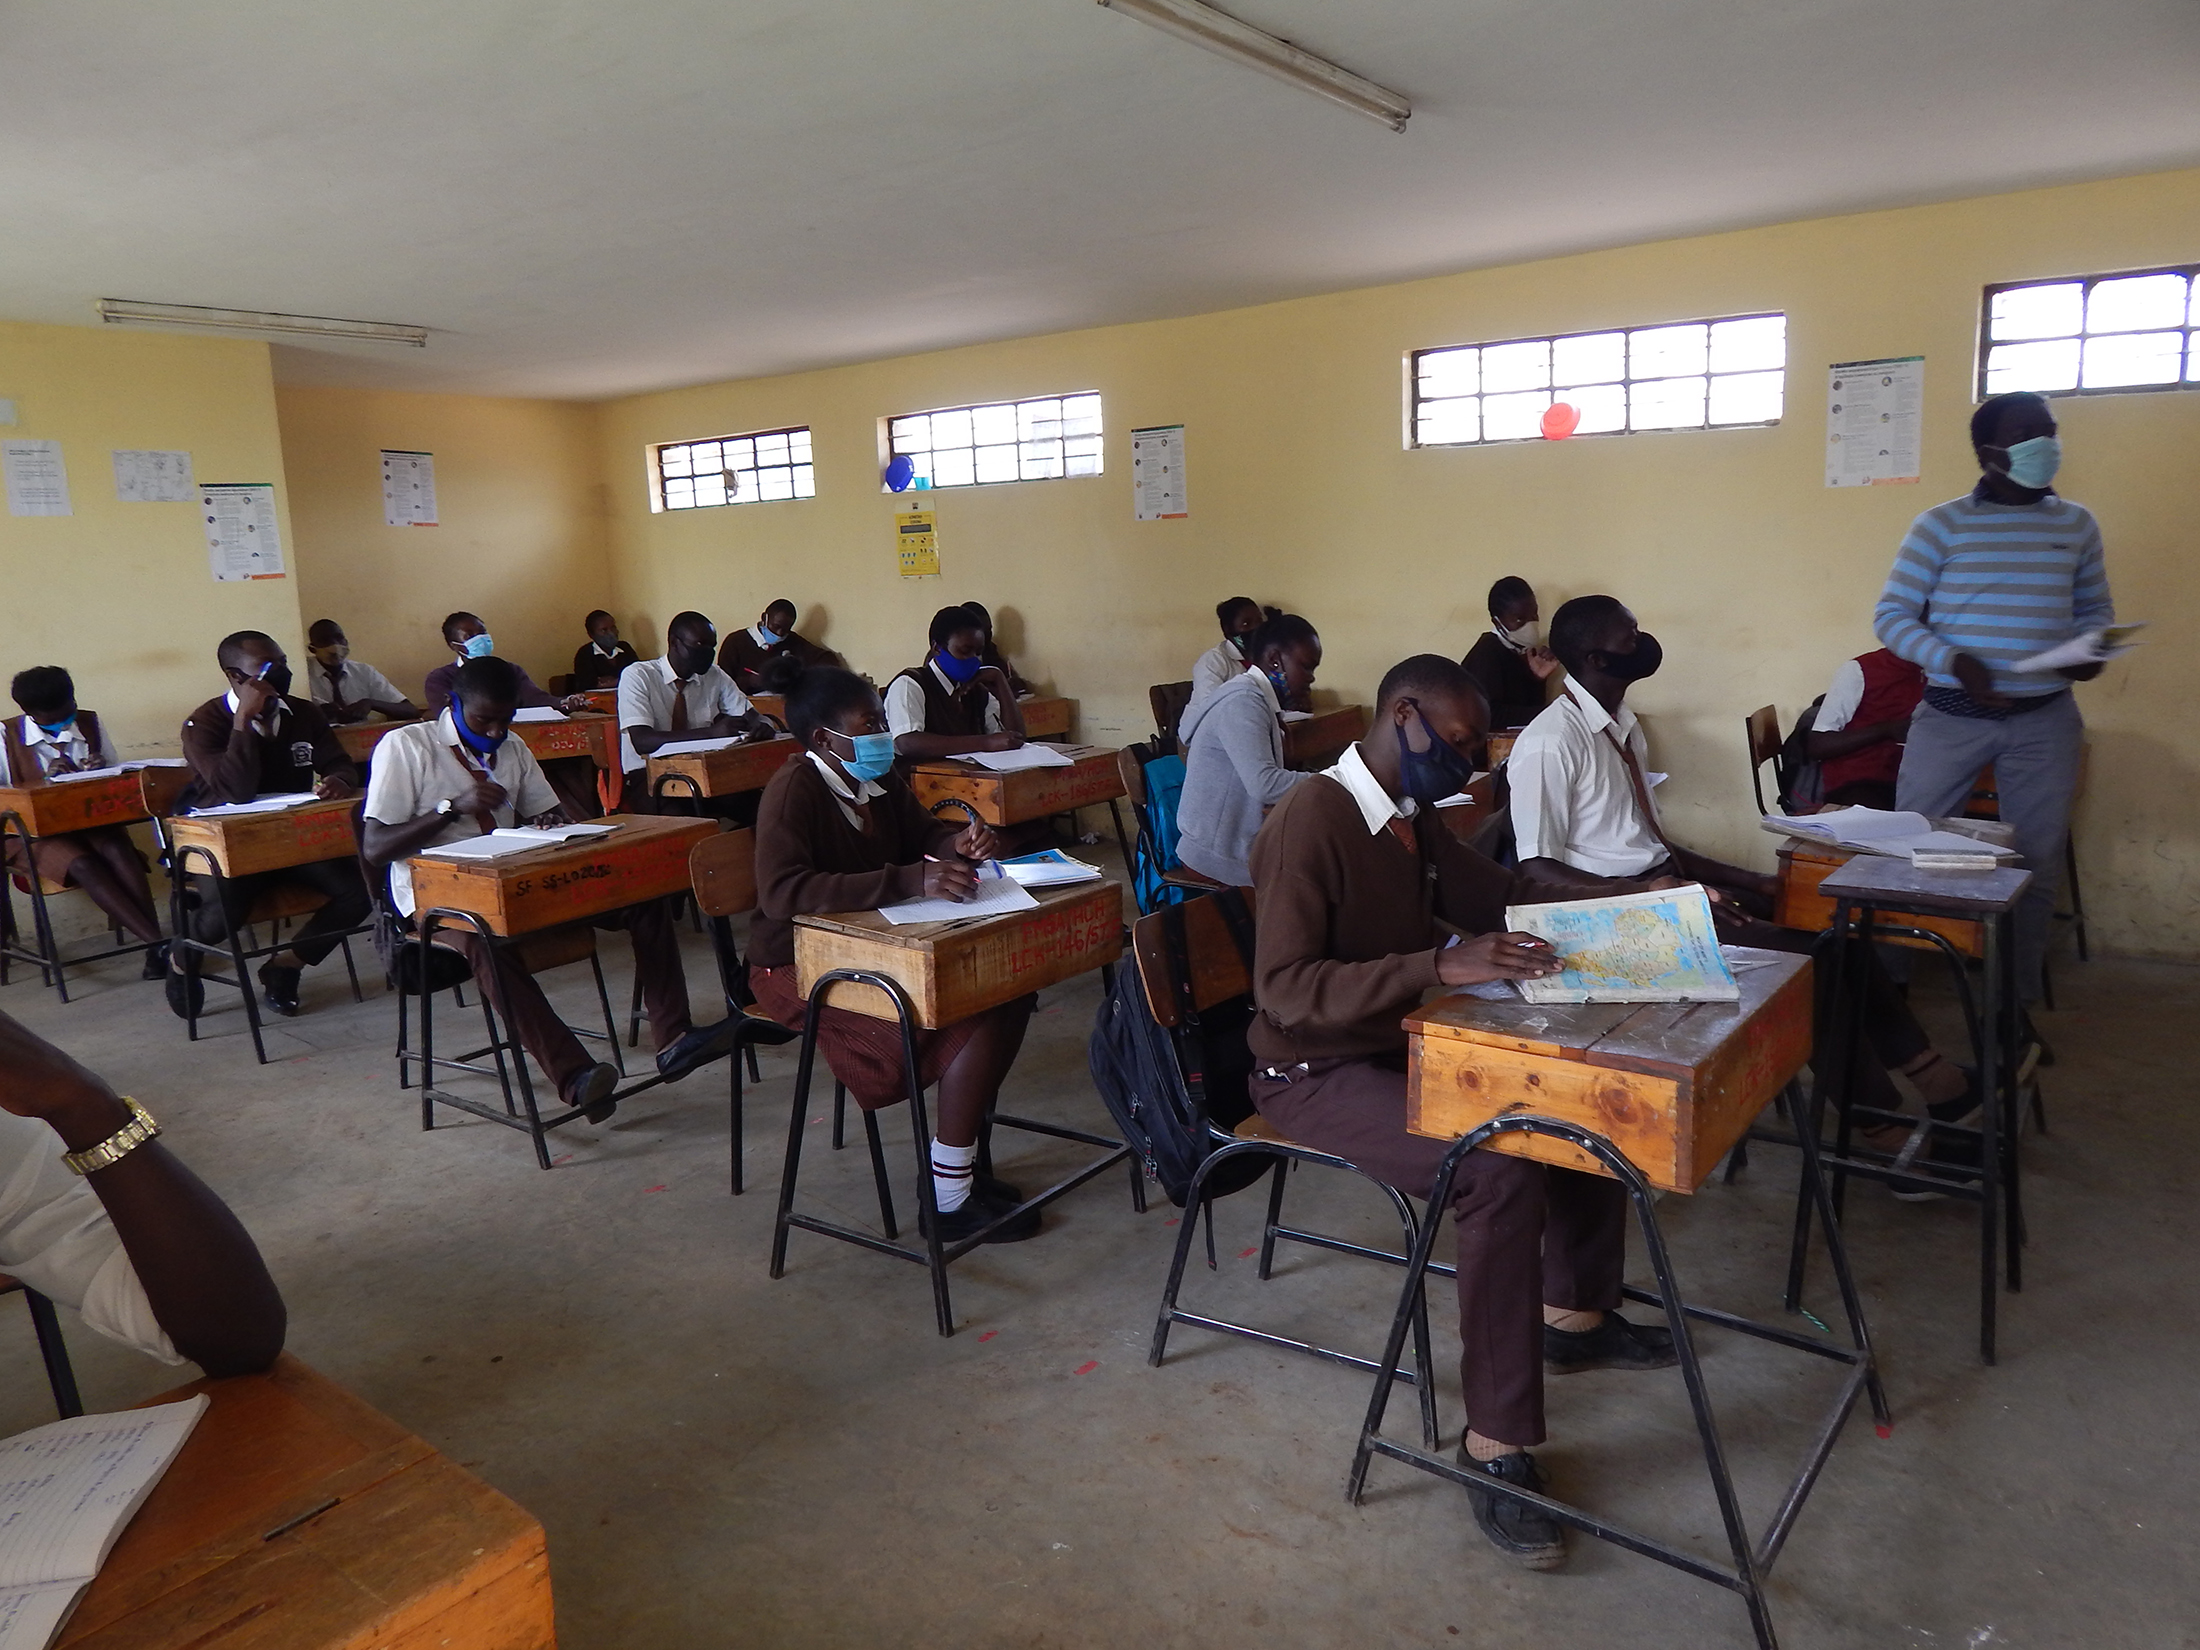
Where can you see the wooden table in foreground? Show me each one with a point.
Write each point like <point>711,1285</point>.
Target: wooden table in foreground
<point>1047,716</point>
<point>1672,1085</point>
<point>1029,793</point>
<point>728,772</point>
<point>773,705</point>
<point>297,1518</point>
<point>1803,866</point>
<point>246,844</point>
<point>952,970</point>
<point>360,738</point>
<point>603,701</point>
<point>584,733</point>
<point>645,857</point>
<point>85,804</point>
<point>1315,743</point>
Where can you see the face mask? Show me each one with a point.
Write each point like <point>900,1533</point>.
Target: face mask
<point>958,671</point>
<point>2033,463</point>
<point>54,730</point>
<point>277,677</point>
<point>1431,775</point>
<point>1276,681</point>
<point>1240,645</point>
<point>334,654</point>
<point>480,744</point>
<point>768,636</point>
<point>1521,636</point>
<point>874,754</point>
<point>479,647</point>
<point>1633,667</point>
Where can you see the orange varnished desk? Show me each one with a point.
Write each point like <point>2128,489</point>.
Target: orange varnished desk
<point>244,845</point>
<point>603,701</point>
<point>85,804</point>
<point>1501,743</point>
<point>383,1544</point>
<point>1046,716</point>
<point>729,772</point>
<point>360,738</point>
<point>1029,793</point>
<point>1672,1085</point>
<point>771,704</point>
<point>1318,741</point>
<point>584,733</point>
<point>645,857</point>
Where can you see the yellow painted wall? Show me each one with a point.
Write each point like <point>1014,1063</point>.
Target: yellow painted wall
<point>1757,577</point>
<point>519,540</point>
<point>123,594</point>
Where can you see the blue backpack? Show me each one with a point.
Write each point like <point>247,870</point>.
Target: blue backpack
<point>1154,855</point>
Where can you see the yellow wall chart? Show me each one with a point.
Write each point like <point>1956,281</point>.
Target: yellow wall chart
<point>917,540</point>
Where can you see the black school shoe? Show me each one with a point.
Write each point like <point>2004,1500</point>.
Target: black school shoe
<point>977,1212</point>
<point>279,989</point>
<point>186,991</point>
<point>1613,1344</point>
<point>1527,1535</point>
<point>589,1092</point>
<point>697,1048</point>
<point>156,961</point>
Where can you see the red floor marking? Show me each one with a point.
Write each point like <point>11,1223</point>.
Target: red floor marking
<point>1249,1254</point>
<point>555,1161</point>
<point>648,1189</point>
<point>1884,1432</point>
<point>1171,1222</point>
<point>989,1334</point>
<point>1085,1369</point>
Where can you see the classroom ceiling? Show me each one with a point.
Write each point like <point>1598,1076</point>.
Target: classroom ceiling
<point>587,200</point>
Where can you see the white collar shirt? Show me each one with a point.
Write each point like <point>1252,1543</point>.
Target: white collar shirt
<point>1573,799</point>
<point>1219,664</point>
<point>906,711</point>
<point>843,793</point>
<point>646,694</point>
<point>49,751</point>
<point>756,635</point>
<point>1377,806</point>
<point>270,719</point>
<point>362,684</point>
<point>420,766</point>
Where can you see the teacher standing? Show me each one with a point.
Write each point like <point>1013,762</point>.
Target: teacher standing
<point>1981,583</point>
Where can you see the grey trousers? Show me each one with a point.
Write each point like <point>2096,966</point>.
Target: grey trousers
<point>2035,761</point>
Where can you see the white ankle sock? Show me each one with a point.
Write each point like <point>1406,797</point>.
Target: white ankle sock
<point>952,1171</point>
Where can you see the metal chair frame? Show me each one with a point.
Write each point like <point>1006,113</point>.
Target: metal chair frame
<point>47,957</point>
<point>232,946</point>
<point>935,1256</point>
<point>52,1349</point>
<point>1750,1563</point>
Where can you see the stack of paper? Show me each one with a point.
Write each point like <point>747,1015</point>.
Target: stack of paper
<point>696,747</point>
<point>1051,869</point>
<point>514,839</point>
<point>1024,756</point>
<point>1879,831</point>
<point>540,713</point>
<point>264,805</point>
<point>66,1491</point>
<point>85,773</point>
<point>995,896</point>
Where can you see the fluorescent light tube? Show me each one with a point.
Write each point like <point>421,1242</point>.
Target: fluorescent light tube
<point>1225,36</point>
<point>115,311</point>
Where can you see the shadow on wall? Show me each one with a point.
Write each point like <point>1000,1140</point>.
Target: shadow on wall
<point>2141,872</point>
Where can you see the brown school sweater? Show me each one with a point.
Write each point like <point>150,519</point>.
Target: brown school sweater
<point>809,858</point>
<point>1347,923</point>
<point>234,763</point>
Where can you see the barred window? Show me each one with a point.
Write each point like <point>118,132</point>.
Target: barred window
<point>2092,334</point>
<point>1688,375</point>
<point>1036,440</point>
<point>735,469</point>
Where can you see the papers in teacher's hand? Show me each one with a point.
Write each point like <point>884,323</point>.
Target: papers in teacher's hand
<point>67,1489</point>
<point>1655,947</point>
<point>1881,831</point>
<point>2095,647</point>
<point>1051,869</point>
<point>261,805</point>
<point>996,896</point>
<point>540,713</point>
<point>1024,756</point>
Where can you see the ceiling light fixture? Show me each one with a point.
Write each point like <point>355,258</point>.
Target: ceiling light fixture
<point>124,311</point>
<point>1225,36</point>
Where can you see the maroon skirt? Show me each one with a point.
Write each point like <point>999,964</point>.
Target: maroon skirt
<point>51,856</point>
<point>864,1053</point>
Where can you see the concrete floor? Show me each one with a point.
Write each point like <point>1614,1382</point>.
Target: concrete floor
<point>725,1460</point>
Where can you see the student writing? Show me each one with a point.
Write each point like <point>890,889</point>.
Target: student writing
<point>346,689</point>
<point>1233,751</point>
<point>954,702</point>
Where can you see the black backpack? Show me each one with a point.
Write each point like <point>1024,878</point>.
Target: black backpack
<point>1164,1088</point>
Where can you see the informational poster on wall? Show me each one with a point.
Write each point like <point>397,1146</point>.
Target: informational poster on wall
<point>1875,422</point>
<point>917,543</point>
<point>242,540</point>
<point>408,489</point>
<point>153,478</point>
<point>37,483</point>
<point>1157,473</point>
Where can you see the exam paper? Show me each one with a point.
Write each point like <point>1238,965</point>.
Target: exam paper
<point>262,805</point>
<point>515,839</point>
<point>695,747</point>
<point>2095,647</point>
<point>540,713</point>
<point>1015,761</point>
<point>996,896</point>
<point>1879,831</point>
<point>1655,947</point>
<point>86,773</point>
<point>1050,869</point>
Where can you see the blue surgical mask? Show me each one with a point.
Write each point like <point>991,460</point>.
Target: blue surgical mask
<point>479,744</point>
<point>770,638</point>
<point>874,754</point>
<point>2033,463</point>
<point>957,670</point>
<point>55,730</point>
<point>480,647</point>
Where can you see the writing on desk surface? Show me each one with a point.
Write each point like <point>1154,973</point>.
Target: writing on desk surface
<point>1072,932</point>
<point>566,877</point>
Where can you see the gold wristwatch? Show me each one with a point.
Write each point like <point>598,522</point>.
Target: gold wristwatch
<point>118,1145</point>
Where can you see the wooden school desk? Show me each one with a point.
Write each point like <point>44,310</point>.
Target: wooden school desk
<point>584,733</point>
<point>360,738</point>
<point>1002,799</point>
<point>244,845</point>
<point>1313,744</point>
<point>728,772</point>
<point>1501,743</point>
<point>1804,865</point>
<point>773,705</point>
<point>297,1518</point>
<point>603,701</point>
<point>1046,716</point>
<point>50,809</point>
<point>645,857</point>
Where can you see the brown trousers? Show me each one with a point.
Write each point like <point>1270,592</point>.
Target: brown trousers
<point>518,998</point>
<point>1528,1236</point>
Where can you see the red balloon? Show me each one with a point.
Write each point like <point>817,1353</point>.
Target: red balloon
<point>1560,420</point>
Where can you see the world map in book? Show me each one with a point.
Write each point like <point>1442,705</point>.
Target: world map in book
<point>1657,947</point>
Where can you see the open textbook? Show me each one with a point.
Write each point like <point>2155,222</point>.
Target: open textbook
<point>1899,835</point>
<point>1657,947</point>
<point>66,1491</point>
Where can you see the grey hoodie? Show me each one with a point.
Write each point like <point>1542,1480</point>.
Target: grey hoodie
<point>1233,771</point>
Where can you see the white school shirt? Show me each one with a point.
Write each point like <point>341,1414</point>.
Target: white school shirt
<point>56,1238</point>
<point>645,701</point>
<point>1838,708</point>
<point>842,794</point>
<point>361,683</point>
<point>1219,664</point>
<point>1377,806</point>
<point>905,704</point>
<point>47,750</point>
<point>1572,799</point>
<point>418,767</point>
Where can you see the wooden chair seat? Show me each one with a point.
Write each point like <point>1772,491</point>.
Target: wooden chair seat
<point>1257,1127</point>
<point>1183,876</point>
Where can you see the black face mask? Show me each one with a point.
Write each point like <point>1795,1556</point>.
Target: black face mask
<point>1633,667</point>
<point>1431,775</point>
<point>688,663</point>
<point>278,677</point>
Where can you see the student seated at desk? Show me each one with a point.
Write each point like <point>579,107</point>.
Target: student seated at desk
<point>601,658</point>
<point>769,645</point>
<point>462,776</point>
<point>840,831</point>
<point>572,777</point>
<point>1239,617</point>
<point>1585,824</point>
<point>97,1214</point>
<point>53,736</point>
<point>257,740</point>
<point>1363,899</point>
<point>1233,751</point>
<point>681,697</point>
<point>345,689</point>
<point>953,703</point>
<point>1857,735</point>
<point>1508,661</point>
<point>993,658</point>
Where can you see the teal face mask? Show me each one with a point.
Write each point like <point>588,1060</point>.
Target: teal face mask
<point>2033,463</point>
<point>54,730</point>
<point>874,754</point>
<point>480,647</point>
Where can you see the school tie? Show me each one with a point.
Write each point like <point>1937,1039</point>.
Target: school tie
<point>336,693</point>
<point>1402,829</point>
<point>679,706</point>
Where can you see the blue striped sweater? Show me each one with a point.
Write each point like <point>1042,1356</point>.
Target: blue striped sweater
<point>1998,581</point>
